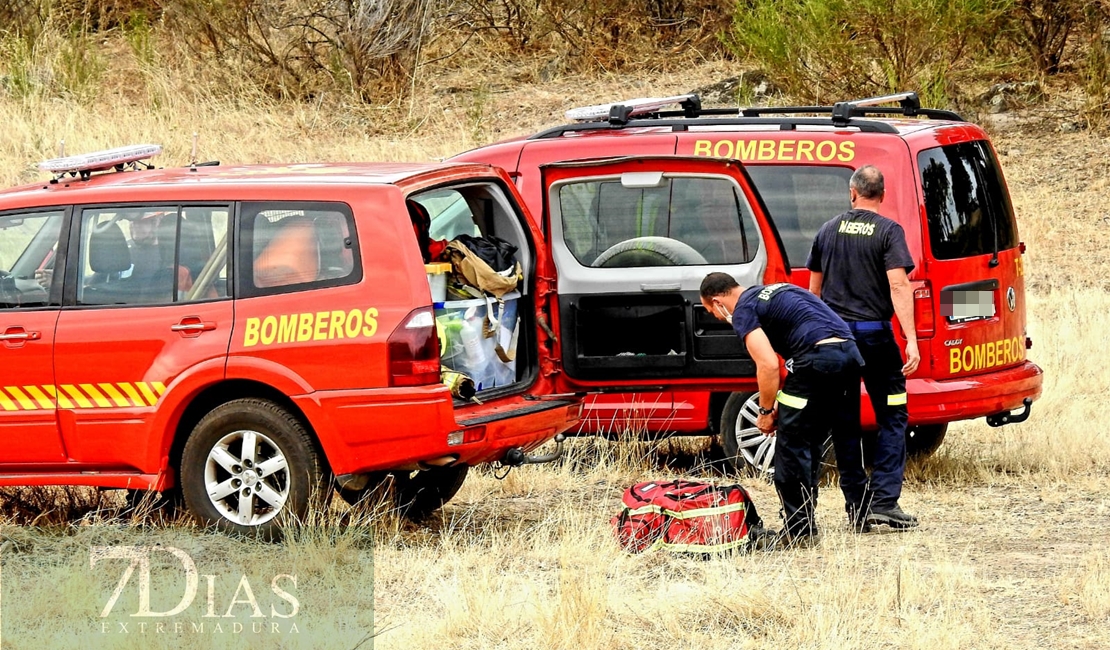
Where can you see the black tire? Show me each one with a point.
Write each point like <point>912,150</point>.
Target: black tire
<point>277,433</point>
<point>418,494</point>
<point>923,440</point>
<point>759,457</point>
<point>649,251</point>
<point>351,496</point>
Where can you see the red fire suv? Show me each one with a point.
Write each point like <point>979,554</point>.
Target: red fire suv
<point>944,186</point>
<point>245,335</point>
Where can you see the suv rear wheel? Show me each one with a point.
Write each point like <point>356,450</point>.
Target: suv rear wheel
<point>417,494</point>
<point>923,440</point>
<point>246,463</point>
<point>746,446</point>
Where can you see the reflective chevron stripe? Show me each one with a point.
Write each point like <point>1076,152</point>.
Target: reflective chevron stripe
<point>896,400</point>
<point>46,397</point>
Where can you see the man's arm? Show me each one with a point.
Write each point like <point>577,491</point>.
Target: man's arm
<point>815,280</point>
<point>766,373</point>
<point>901,294</point>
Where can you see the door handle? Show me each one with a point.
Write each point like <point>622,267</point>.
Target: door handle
<point>193,326</point>
<point>660,287</point>
<point>19,336</point>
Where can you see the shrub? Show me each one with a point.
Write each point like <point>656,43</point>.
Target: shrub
<point>841,49</point>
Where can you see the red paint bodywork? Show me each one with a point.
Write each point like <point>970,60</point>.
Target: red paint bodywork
<point>936,395</point>
<point>340,386</point>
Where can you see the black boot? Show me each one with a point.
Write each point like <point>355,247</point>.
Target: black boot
<point>893,517</point>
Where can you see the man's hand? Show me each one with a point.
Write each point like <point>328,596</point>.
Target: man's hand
<point>766,423</point>
<point>913,358</point>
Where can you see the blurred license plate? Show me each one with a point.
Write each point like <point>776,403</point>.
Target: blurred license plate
<point>961,306</point>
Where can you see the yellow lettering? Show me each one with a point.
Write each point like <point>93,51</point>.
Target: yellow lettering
<point>287,328</point>
<point>990,354</point>
<point>304,328</point>
<point>968,358</point>
<point>805,148</point>
<point>702,147</point>
<point>269,330</point>
<point>371,321</point>
<point>847,151</point>
<point>1006,356</point>
<point>354,323</point>
<point>746,150</point>
<point>831,148</point>
<point>1019,349</point>
<point>980,356</point>
<point>728,149</point>
<point>766,150</point>
<point>786,149</point>
<point>320,330</point>
<point>250,337</point>
<point>336,329</point>
<point>1019,266</point>
<point>954,360</point>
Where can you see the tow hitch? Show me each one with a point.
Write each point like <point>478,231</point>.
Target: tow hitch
<point>1008,417</point>
<point>516,457</point>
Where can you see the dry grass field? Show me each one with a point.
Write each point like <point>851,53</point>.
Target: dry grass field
<point>1012,548</point>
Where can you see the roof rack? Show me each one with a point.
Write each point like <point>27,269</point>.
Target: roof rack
<point>842,114</point>
<point>84,165</point>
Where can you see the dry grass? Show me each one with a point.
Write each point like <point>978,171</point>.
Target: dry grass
<point>1009,554</point>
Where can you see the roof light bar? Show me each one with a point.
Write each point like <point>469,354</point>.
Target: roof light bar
<point>638,106</point>
<point>84,164</point>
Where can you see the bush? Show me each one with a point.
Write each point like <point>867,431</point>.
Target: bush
<point>836,49</point>
<point>300,48</point>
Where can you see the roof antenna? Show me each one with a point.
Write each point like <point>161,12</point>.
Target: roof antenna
<point>193,157</point>
<point>62,148</point>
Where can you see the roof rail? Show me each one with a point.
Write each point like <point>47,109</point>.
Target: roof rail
<point>842,114</point>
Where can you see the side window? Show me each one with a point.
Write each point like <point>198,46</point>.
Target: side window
<point>450,214</point>
<point>692,220</point>
<point>28,245</point>
<point>801,198</point>
<point>968,210</point>
<point>149,255</point>
<point>291,246</point>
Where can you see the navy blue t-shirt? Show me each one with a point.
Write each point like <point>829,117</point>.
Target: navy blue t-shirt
<point>791,317</point>
<point>854,251</point>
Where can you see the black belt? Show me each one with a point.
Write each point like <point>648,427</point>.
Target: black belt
<point>869,325</point>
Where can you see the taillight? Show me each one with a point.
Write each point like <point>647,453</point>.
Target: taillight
<point>923,318</point>
<point>414,350</point>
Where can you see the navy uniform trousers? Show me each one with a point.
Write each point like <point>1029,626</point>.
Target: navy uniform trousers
<point>822,391</point>
<point>886,386</point>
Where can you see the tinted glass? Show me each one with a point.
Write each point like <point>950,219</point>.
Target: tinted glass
<point>152,255</point>
<point>968,209</point>
<point>28,243</point>
<point>450,214</point>
<point>706,219</point>
<point>292,246</point>
<point>800,199</point>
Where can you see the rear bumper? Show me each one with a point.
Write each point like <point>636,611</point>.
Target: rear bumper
<point>368,430</point>
<point>940,401</point>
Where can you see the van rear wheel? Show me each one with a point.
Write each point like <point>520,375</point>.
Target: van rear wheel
<point>745,445</point>
<point>419,494</point>
<point>923,440</point>
<point>248,466</point>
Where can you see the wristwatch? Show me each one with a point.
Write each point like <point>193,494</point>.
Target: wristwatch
<point>763,411</point>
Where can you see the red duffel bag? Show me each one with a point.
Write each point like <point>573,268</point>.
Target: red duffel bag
<point>686,517</point>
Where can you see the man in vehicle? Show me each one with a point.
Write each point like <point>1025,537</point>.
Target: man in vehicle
<point>859,265</point>
<point>822,385</point>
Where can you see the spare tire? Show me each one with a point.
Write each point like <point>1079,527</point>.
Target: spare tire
<point>649,251</point>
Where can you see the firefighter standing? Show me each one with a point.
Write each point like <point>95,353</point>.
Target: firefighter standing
<point>859,266</point>
<point>822,385</point>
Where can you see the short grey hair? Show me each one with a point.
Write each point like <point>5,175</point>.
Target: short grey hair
<point>867,181</point>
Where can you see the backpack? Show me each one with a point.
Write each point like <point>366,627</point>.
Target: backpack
<point>486,263</point>
<point>686,517</point>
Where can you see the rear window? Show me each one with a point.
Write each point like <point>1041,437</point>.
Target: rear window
<point>969,211</point>
<point>706,221</point>
<point>800,200</point>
